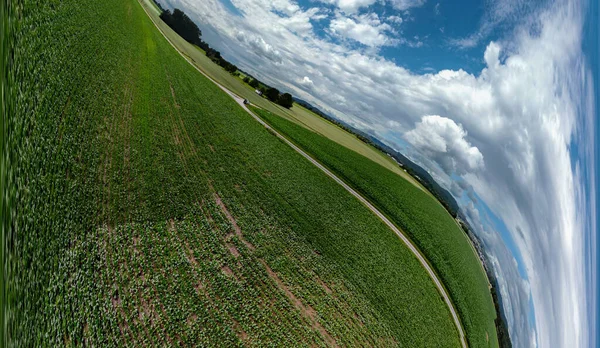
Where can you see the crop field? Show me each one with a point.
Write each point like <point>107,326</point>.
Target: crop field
<point>198,281</point>
<point>150,209</point>
<point>433,230</point>
<point>296,114</point>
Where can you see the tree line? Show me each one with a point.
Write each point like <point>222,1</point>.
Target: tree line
<point>286,100</point>
<point>183,25</point>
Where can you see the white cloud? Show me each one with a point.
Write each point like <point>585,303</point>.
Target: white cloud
<point>394,19</point>
<point>306,81</point>
<point>492,55</point>
<point>442,140</point>
<point>299,21</point>
<point>521,113</point>
<point>402,5</point>
<point>366,29</point>
<point>286,6</point>
<point>467,42</point>
<point>497,13</point>
<point>260,46</point>
<point>353,6</point>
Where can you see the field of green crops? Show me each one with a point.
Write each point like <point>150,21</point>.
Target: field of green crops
<point>296,114</point>
<point>147,208</point>
<point>432,229</point>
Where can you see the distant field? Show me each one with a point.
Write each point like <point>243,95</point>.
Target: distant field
<point>437,235</point>
<point>297,113</point>
<point>152,210</point>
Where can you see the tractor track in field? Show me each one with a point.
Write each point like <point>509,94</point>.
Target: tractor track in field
<point>438,283</point>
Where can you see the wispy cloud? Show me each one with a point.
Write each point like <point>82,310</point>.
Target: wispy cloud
<point>499,15</point>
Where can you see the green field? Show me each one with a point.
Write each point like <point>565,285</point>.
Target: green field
<point>296,114</point>
<point>150,209</point>
<point>432,229</point>
<point>427,223</point>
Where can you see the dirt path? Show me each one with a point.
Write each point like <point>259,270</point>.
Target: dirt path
<point>399,233</point>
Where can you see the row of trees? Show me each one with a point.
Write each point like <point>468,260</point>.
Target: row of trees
<point>182,25</point>
<point>215,56</point>
<point>188,30</point>
<point>271,93</point>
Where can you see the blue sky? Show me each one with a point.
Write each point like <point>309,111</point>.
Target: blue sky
<point>592,50</point>
<point>496,99</point>
<point>429,26</point>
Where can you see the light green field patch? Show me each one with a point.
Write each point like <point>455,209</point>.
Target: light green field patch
<point>314,122</point>
<point>154,8</point>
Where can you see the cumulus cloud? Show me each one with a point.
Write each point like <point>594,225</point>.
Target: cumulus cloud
<point>300,21</point>
<point>508,130</point>
<point>366,29</point>
<point>402,5</point>
<point>443,140</point>
<point>353,6</point>
<point>260,46</point>
<point>394,19</point>
<point>306,81</point>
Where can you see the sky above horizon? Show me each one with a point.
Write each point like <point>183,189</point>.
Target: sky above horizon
<point>496,99</point>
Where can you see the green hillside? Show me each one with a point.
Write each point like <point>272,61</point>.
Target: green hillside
<point>150,209</point>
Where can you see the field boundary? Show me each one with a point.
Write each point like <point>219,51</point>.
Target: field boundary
<point>438,283</point>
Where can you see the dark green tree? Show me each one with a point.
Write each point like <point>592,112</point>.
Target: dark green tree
<point>272,94</point>
<point>285,100</point>
<point>182,25</point>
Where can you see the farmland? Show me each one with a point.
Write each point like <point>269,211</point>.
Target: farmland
<point>444,244</point>
<point>150,209</point>
<point>296,114</point>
